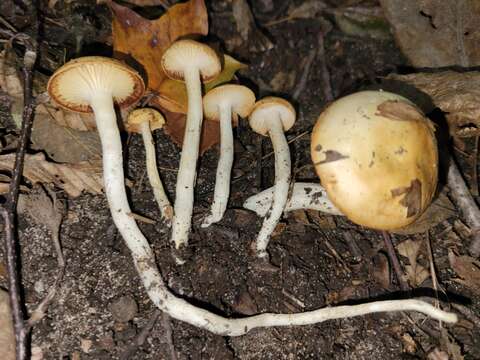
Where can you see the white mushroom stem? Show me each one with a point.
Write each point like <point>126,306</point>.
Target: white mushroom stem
<point>177,308</point>
<point>282,183</point>
<point>183,207</point>
<point>152,172</point>
<point>309,196</point>
<point>224,168</point>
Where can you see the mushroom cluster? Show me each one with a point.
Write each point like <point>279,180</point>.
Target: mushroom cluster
<point>95,84</point>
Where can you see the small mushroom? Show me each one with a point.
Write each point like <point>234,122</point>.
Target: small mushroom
<point>376,155</point>
<point>144,121</point>
<point>223,104</point>
<point>273,116</point>
<point>192,62</point>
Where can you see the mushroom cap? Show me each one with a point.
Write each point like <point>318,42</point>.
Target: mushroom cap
<point>184,54</point>
<point>376,155</point>
<point>138,116</point>
<point>240,98</point>
<point>268,108</point>
<point>73,85</point>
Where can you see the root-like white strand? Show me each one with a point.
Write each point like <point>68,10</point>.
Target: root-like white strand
<point>282,183</point>
<point>309,196</point>
<point>224,169</point>
<point>153,175</point>
<point>178,308</point>
<point>187,169</point>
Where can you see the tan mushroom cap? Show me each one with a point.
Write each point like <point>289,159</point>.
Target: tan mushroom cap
<point>139,116</point>
<point>239,97</point>
<point>376,155</point>
<point>270,107</point>
<point>73,85</point>
<point>184,54</point>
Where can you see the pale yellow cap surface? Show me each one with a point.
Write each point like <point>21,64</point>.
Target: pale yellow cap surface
<point>139,116</point>
<point>376,155</point>
<point>269,108</point>
<point>185,54</point>
<point>239,97</point>
<point>73,85</point>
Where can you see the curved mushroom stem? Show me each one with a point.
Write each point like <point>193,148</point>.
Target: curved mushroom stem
<point>224,169</point>
<point>152,172</point>
<point>282,183</point>
<point>187,169</point>
<point>310,196</point>
<point>177,308</point>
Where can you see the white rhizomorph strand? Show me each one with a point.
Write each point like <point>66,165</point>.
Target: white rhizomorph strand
<point>224,103</point>
<point>145,121</point>
<point>190,62</point>
<point>89,84</point>
<point>273,116</point>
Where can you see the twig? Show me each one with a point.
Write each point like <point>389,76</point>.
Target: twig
<point>167,326</point>
<point>464,200</point>
<point>326,81</point>
<point>392,255</point>
<point>433,273</point>
<point>474,179</point>
<point>307,65</point>
<point>9,210</point>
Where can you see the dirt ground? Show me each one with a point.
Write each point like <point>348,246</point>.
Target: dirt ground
<point>316,266</point>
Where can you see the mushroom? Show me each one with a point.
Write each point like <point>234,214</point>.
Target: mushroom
<point>310,196</point>
<point>192,62</point>
<point>144,121</point>
<point>376,155</point>
<point>273,116</point>
<point>223,104</point>
<point>92,84</point>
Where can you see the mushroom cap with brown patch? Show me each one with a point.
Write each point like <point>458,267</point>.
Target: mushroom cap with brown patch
<point>73,85</point>
<point>186,54</point>
<point>376,155</point>
<point>268,108</point>
<point>139,116</point>
<point>240,99</point>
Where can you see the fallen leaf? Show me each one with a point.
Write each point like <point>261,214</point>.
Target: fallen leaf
<point>449,343</point>
<point>416,273</point>
<point>7,336</point>
<point>439,210</point>
<point>437,354</point>
<point>457,94</point>
<point>11,84</point>
<point>308,10</point>
<point>73,178</point>
<point>436,33</point>
<point>69,119</point>
<point>409,344</point>
<point>363,22</point>
<point>64,144</point>
<point>468,269</point>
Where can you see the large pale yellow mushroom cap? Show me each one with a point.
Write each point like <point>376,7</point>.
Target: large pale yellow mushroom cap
<point>376,155</point>
<point>73,85</point>
<point>139,116</point>
<point>267,108</point>
<point>239,97</point>
<point>185,54</point>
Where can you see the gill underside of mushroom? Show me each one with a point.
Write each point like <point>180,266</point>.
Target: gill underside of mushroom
<point>304,196</point>
<point>178,308</point>
<point>224,168</point>
<point>281,187</point>
<point>153,175</point>
<point>187,169</point>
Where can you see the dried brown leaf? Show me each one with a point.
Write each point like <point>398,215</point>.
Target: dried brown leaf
<point>457,94</point>
<point>11,84</point>
<point>7,336</point>
<point>363,21</point>
<point>416,273</point>
<point>64,144</point>
<point>73,178</point>
<point>436,33</point>
<point>439,210</point>
<point>468,269</point>
<point>381,270</point>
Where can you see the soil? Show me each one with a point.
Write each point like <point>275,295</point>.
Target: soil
<point>316,267</point>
